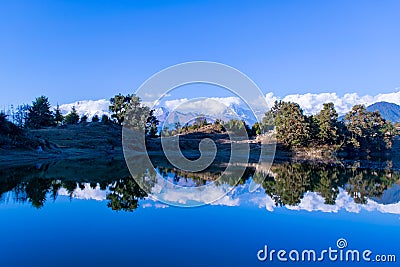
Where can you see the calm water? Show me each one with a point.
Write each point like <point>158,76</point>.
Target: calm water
<point>92,213</point>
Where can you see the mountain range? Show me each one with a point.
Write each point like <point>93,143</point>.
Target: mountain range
<point>310,103</point>
<point>230,111</point>
<point>389,111</point>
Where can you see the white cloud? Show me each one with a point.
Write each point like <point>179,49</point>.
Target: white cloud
<point>312,103</point>
<point>241,195</point>
<point>173,104</point>
<point>86,193</point>
<point>214,106</point>
<point>87,107</point>
<point>315,202</point>
<point>214,195</point>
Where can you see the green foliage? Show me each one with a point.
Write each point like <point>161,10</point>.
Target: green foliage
<point>105,118</point>
<point>256,129</point>
<point>291,126</point>
<point>128,109</point>
<point>8,128</point>
<point>237,126</point>
<point>288,185</point>
<point>58,117</point>
<point>166,132</point>
<point>268,123</point>
<point>361,129</point>
<point>288,182</point>
<point>95,118</point>
<point>327,124</point>
<point>151,124</point>
<point>285,183</point>
<point>84,119</point>
<point>178,127</point>
<point>36,191</point>
<point>72,117</point>
<point>21,116</point>
<point>368,129</point>
<point>39,114</point>
<point>120,104</point>
<point>200,121</point>
<point>125,194</point>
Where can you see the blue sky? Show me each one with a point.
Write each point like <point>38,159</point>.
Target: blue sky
<point>76,50</point>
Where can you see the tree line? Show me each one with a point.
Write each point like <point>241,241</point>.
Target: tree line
<point>286,184</point>
<point>40,114</point>
<point>360,129</point>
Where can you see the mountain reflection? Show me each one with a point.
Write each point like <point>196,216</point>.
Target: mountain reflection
<point>285,184</point>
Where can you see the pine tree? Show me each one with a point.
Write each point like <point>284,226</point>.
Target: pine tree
<point>21,116</point>
<point>58,117</point>
<point>120,104</point>
<point>368,130</point>
<point>291,126</point>
<point>72,117</point>
<point>256,129</point>
<point>84,119</point>
<point>105,118</point>
<point>130,110</point>
<point>95,118</point>
<point>327,121</point>
<point>39,114</point>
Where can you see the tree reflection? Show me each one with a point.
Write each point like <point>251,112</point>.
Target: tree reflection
<point>125,194</point>
<point>285,183</point>
<point>36,190</point>
<point>289,183</point>
<point>365,184</point>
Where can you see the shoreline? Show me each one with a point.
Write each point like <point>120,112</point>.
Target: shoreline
<point>104,141</point>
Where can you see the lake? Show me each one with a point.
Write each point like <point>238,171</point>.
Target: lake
<point>93,213</point>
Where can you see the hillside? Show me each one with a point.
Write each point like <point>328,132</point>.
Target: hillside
<point>82,141</point>
<point>389,111</point>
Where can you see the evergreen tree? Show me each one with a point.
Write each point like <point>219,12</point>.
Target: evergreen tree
<point>72,117</point>
<point>105,118</point>
<point>368,129</point>
<point>256,129</point>
<point>120,104</point>
<point>200,121</point>
<point>151,124</point>
<point>267,122</point>
<point>178,127</point>
<point>327,121</point>
<point>130,110</point>
<point>39,114</point>
<point>291,126</point>
<point>84,119</point>
<point>58,117</point>
<point>21,116</point>
<point>95,118</point>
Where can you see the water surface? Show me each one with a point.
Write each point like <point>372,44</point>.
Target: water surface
<point>93,213</point>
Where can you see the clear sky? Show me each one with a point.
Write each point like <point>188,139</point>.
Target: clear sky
<point>76,50</point>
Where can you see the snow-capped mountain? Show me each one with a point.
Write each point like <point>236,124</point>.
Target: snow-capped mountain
<point>226,107</point>
<point>169,118</point>
<point>88,108</point>
<point>100,107</point>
